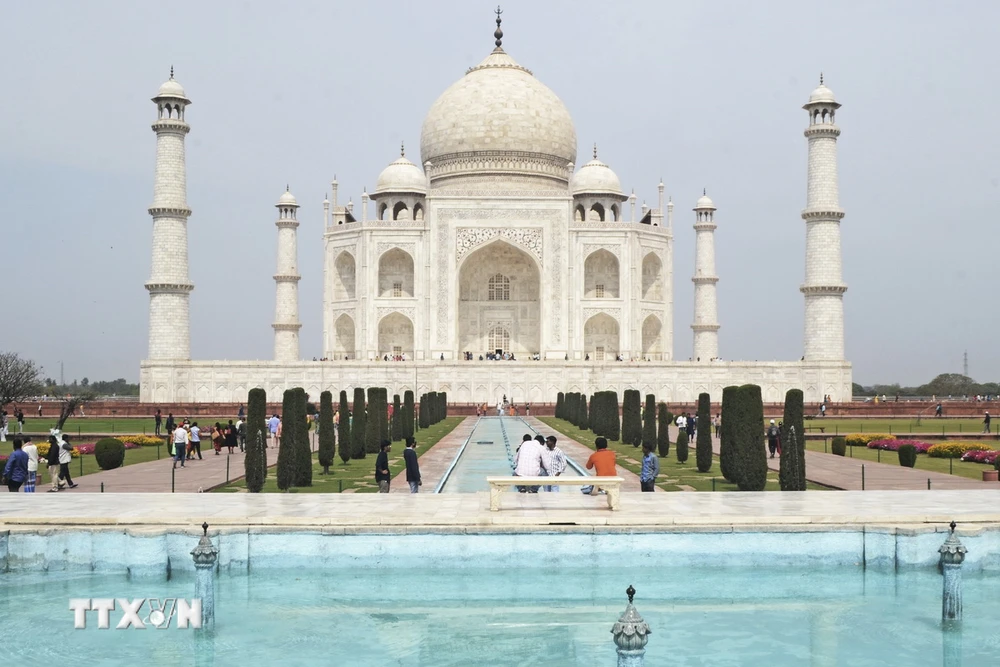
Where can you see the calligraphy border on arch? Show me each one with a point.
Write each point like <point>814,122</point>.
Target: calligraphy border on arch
<point>468,239</point>
<point>590,248</point>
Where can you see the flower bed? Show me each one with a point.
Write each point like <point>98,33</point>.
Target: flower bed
<point>43,450</point>
<point>88,448</point>
<point>955,449</point>
<point>862,439</point>
<point>979,456</point>
<point>894,445</point>
<point>141,440</point>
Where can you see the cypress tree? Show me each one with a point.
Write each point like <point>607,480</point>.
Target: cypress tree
<point>792,468</point>
<point>444,405</point>
<point>663,430</point>
<point>255,463</point>
<point>703,446</point>
<point>327,438</point>
<point>358,427</point>
<point>584,417</point>
<point>569,407</point>
<point>750,440</point>
<point>287,456</point>
<point>422,421</point>
<point>397,419</point>
<point>631,418</point>
<point>407,421</point>
<point>614,423</point>
<point>344,429</point>
<point>383,415</point>
<point>372,422</point>
<point>560,397</point>
<point>304,464</point>
<point>682,446</point>
<point>649,422</point>
<point>727,454</point>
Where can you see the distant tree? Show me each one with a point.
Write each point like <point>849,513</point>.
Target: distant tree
<point>703,439</point>
<point>682,446</point>
<point>749,436</point>
<point>344,429</point>
<point>255,462</point>
<point>858,390</point>
<point>949,384</point>
<point>649,422</point>
<point>792,468</point>
<point>327,436</point>
<point>583,413</point>
<point>663,430</point>
<point>631,416</point>
<point>303,449</point>
<point>359,425</point>
<point>407,414</point>
<point>397,419</point>
<point>560,398</point>
<point>287,454</point>
<point>19,378</point>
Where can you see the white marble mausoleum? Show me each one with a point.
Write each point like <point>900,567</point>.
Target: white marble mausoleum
<point>500,239</point>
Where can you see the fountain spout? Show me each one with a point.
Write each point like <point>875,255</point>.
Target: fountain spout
<point>631,633</point>
<point>952,556</point>
<point>205,556</point>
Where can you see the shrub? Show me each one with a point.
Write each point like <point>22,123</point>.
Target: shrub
<point>344,427</point>
<point>397,419</point>
<point>649,422</point>
<point>703,437</point>
<point>359,423</point>
<point>989,457</point>
<point>303,450</point>
<point>407,414</point>
<point>752,455</point>
<point>584,413</point>
<point>372,422</point>
<point>862,439</point>
<point>255,462</point>
<point>560,403</point>
<point>727,453</point>
<point>839,446</point>
<point>954,450</point>
<point>287,459</point>
<point>327,438</point>
<point>894,445</point>
<point>792,467</point>
<point>631,418</point>
<point>663,430</point>
<point>614,417</point>
<point>109,453</point>
<point>908,456</point>
<point>682,446</point>
<point>142,440</point>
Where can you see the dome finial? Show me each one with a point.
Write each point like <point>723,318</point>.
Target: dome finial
<point>704,192</point>
<point>595,150</point>
<point>171,72</point>
<point>821,78</point>
<point>499,33</point>
<point>286,187</point>
<point>402,149</point>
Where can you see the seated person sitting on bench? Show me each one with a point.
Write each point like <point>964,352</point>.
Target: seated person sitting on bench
<point>603,460</point>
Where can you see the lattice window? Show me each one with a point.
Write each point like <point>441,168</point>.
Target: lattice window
<point>397,350</point>
<point>499,339</point>
<point>599,354</point>
<point>499,288</point>
<point>397,289</point>
<point>599,290</point>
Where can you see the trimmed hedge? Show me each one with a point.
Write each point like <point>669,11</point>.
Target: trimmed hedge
<point>358,424</point>
<point>327,437</point>
<point>752,455</point>
<point>792,467</point>
<point>396,423</point>
<point>584,413</point>
<point>109,453</point>
<point>631,417</point>
<point>303,451</point>
<point>682,446</point>
<point>649,422</point>
<point>954,450</point>
<point>560,405</point>
<point>287,459</point>
<point>372,425</point>
<point>862,439</point>
<point>703,435</point>
<point>255,461</point>
<point>908,456</point>
<point>663,430</point>
<point>407,414</point>
<point>839,446</point>
<point>727,451</point>
<point>344,429</point>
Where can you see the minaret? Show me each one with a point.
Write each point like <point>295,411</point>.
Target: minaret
<point>169,286</point>
<point>286,281</point>
<point>706,305</point>
<point>824,286</point>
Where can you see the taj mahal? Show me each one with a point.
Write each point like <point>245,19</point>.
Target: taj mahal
<point>502,262</point>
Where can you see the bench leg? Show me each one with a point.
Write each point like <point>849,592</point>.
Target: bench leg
<point>495,495</point>
<point>613,497</point>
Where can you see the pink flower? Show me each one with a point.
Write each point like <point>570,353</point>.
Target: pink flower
<point>894,445</point>
<point>980,457</point>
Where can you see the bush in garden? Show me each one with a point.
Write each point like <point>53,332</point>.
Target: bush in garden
<point>631,416</point>
<point>359,424</point>
<point>862,439</point>
<point>792,467</point>
<point>989,457</point>
<point>344,429</point>
<point>560,398</point>
<point>584,413</point>
<point>327,437</point>
<point>703,434</point>
<point>894,445</point>
<point>372,434</point>
<point>682,446</point>
<point>663,430</point>
<point>255,461</point>
<point>908,456</point>
<point>954,450</point>
<point>142,440</point>
<point>396,425</point>
<point>839,446</point>
<point>303,450</point>
<point>109,453</point>
<point>614,417</point>
<point>287,456</point>
<point>407,414</point>
<point>751,455</point>
<point>649,422</point>
<point>727,450</point>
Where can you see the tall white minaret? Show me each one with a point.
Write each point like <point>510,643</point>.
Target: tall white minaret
<point>286,282</point>
<point>706,305</point>
<point>169,286</point>
<point>824,286</point>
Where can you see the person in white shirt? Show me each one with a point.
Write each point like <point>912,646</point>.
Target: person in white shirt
<point>180,444</point>
<point>65,456</point>
<point>195,441</point>
<point>528,462</point>
<point>681,422</point>
<point>32,451</point>
<point>554,462</point>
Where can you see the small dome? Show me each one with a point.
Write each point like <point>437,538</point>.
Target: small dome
<point>595,177</point>
<point>704,201</point>
<point>172,89</point>
<point>822,95</point>
<point>287,199</point>
<point>401,176</point>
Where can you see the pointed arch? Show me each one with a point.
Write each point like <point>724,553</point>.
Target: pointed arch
<point>400,211</point>
<point>601,337</point>
<point>580,213</point>
<point>652,277</point>
<point>343,338</point>
<point>601,275</point>
<point>652,338</point>
<point>344,277</point>
<point>395,335</point>
<point>596,213</point>
<point>395,274</point>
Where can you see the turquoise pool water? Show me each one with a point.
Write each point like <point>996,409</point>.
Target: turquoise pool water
<point>486,454</point>
<point>699,616</point>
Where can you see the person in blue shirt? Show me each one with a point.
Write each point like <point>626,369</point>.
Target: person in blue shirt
<point>16,470</point>
<point>650,467</point>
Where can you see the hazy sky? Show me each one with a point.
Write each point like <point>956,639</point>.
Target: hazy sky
<point>703,94</point>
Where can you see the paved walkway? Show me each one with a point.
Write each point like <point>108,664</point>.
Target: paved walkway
<point>435,461</point>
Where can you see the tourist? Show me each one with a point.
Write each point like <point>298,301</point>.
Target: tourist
<point>528,462</point>
<point>159,421</point>
<point>31,450</point>
<point>232,440</point>
<point>553,462</point>
<point>171,425</point>
<point>3,426</point>
<point>53,462</point>
<point>689,423</point>
<point>241,432</point>
<point>241,413</point>
<point>16,470</point>
<point>822,408</point>
<point>527,409</point>
<point>681,422</point>
<point>986,422</point>
<point>217,438</point>
<point>602,462</point>
<point>650,468</point>
<point>195,434</point>
<point>938,410</point>
<point>180,444</point>
<point>19,416</point>
<point>772,438</point>
<point>412,467</point>
<point>39,410</point>
<point>382,476</point>
<point>715,425</point>
<point>65,456</point>
<point>272,429</point>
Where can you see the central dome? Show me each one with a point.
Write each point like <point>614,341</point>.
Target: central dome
<point>498,117</point>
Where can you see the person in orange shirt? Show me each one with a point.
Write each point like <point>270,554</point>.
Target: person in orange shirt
<point>603,460</point>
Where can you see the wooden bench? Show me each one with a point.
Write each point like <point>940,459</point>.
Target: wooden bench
<point>821,429</point>
<point>498,485</point>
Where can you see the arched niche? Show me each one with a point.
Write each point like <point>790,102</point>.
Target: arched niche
<point>601,275</point>
<point>395,274</point>
<point>344,277</point>
<point>343,337</point>
<point>652,338</point>
<point>652,278</point>
<point>601,337</point>
<point>395,335</point>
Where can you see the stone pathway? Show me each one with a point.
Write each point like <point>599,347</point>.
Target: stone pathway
<point>435,461</point>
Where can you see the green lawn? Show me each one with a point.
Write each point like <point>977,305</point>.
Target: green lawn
<point>89,463</point>
<point>121,426</point>
<point>674,476</point>
<point>924,462</point>
<point>356,475</point>
<point>927,425</point>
